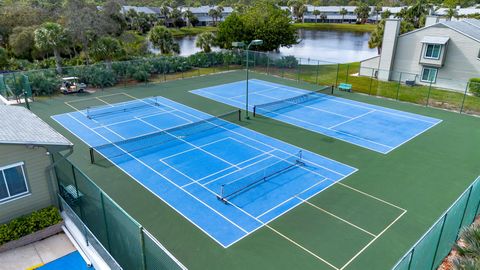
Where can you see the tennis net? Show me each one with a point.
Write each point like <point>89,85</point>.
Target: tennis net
<point>153,142</point>
<point>236,187</point>
<point>98,111</point>
<point>292,101</point>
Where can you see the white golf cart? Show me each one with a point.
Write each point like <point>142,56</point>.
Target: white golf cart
<point>72,85</point>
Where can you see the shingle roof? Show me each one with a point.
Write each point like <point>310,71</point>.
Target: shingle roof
<point>468,27</point>
<point>20,126</point>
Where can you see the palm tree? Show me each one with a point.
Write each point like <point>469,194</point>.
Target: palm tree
<point>220,10</point>
<point>386,14</point>
<point>376,37</point>
<point>362,11</point>
<point>107,49</point>
<point>402,13</point>
<point>51,37</point>
<point>214,14</point>
<point>315,13</point>
<point>205,41</point>
<point>451,12</point>
<point>298,8</point>
<point>162,39</point>
<point>343,12</point>
<point>165,12</point>
<point>323,17</point>
<point>378,10</point>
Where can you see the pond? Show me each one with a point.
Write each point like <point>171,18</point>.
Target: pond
<point>329,46</point>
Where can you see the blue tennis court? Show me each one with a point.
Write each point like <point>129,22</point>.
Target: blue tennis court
<point>227,180</point>
<point>373,127</point>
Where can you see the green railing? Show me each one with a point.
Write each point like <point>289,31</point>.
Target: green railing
<point>436,243</point>
<point>128,243</point>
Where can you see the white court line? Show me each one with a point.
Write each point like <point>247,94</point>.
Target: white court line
<point>191,144</point>
<point>344,133</point>
<point>177,170</point>
<point>251,91</point>
<point>250,165</point>
<point>302,247</point>
<point>313,254</point>
<point>352,103</point>
<point>90,98</point>
<point>133,119</point>
<point>296,196</point>
<point>316,131</point>
<point>111,105</point>
<point>371,196</point>
<point>373,240</point>
<point>160,174</point>
<point>308,106</point>
<point>337,217</point>
<point>354,118</point>
<point>147,188</point>
<point>188,150</point>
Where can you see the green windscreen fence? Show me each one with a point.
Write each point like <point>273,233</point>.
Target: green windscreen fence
<point>436,243</point>
<point>120,239</point>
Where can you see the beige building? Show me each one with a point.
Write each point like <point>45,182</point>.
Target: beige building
<point>443,53</point>
<point>26,144</point>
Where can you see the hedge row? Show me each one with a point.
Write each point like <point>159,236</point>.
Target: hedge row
<point>28,224</point>
<point>46,81</point>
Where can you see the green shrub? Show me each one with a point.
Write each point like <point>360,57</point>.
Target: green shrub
<point>474,86</point>
<point>28,224</point>
<point>44,82</point>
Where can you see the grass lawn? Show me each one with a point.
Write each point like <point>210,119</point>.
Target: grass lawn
<point>190,31</point>
<point>337,26</point>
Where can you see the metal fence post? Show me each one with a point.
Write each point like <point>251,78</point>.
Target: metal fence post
<point>464,96</point>
<point>298,70</point>
<point>371,82</point>
<point>268,64</point>
<point>464,210</point>
<point>105,221</point>
<point>142,245</point>
<point>438,242</point>
<point>318,67</point>
<point>336,78</point>
<point>346,75</point>
<point>164,71</point>
<point>399,83</point>
<point>411,259</point>
<point>428,95</point>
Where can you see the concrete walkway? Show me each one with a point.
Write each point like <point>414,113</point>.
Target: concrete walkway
<point>36,254</point>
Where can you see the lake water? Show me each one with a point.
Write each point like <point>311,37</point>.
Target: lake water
<point>329,46</point>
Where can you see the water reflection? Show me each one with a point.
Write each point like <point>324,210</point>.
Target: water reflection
<point>331,46</point>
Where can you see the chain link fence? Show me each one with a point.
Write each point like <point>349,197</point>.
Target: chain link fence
<point>106,224</point>
<point>436,243</point>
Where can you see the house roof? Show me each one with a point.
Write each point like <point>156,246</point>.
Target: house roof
<point>206,9</point>
<point>467,27</point>
<point>435,40</point>
<point>20,126</point>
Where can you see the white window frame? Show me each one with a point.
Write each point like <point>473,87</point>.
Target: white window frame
<point>430,68</point>
<point>431,57</point>
<point>4,179</point>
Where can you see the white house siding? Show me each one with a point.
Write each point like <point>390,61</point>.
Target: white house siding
<point>41,195</point>
<point>369,66</point>
<point>461,59</point>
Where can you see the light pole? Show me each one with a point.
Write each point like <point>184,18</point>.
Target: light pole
<point>241,44</point>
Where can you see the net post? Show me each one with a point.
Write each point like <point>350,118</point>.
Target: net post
<point>88,113</point>
<point>333,88</point>
<point>92,158</point>
<point>239,115</point>
<point>254,111</point>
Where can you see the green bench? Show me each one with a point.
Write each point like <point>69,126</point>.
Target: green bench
<point>345,87</point>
